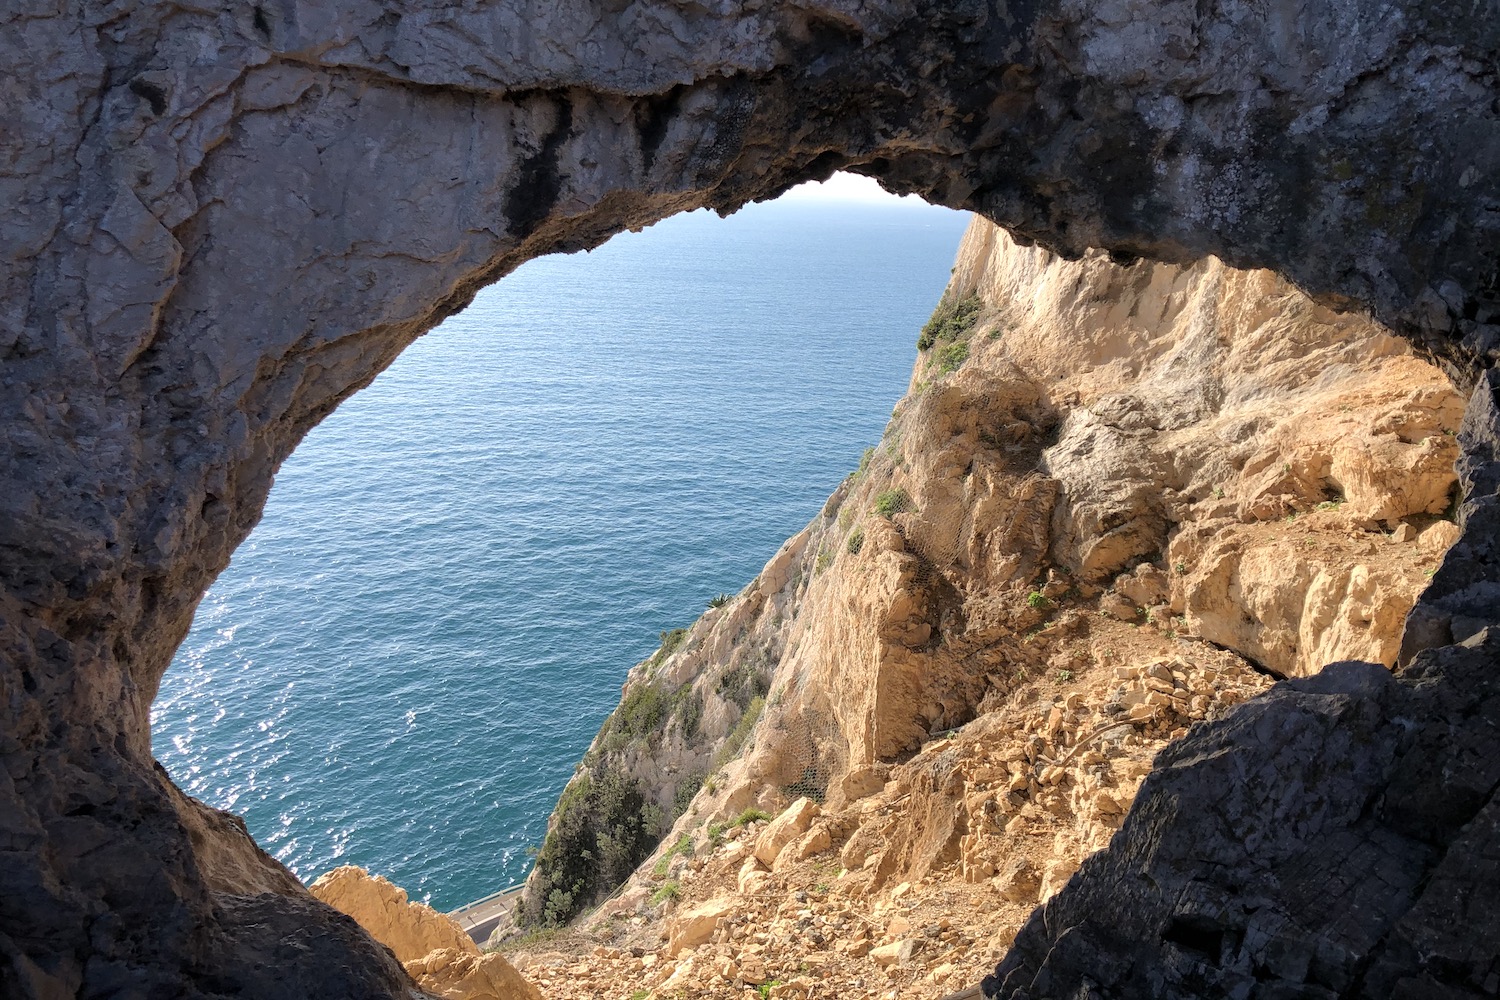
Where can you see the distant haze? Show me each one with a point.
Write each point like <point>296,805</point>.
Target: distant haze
<point>846,187</point>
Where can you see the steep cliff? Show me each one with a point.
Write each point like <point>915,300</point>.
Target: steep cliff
<point>1116,502</point>
<point>226,219</point>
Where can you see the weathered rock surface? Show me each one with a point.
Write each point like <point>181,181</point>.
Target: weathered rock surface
<point>433,948</point>
<point>696,925</point>
<point>458,975</point>
<point>410,930</point>
<point>784,830</point>
<point>1246,870</point>
<point>1107,427</point>
<point>222,221</point>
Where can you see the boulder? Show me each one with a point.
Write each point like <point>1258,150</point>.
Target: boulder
<point>696,925</point>
<point>411,930</point>
<point>790,825</point>
<point>454,975</point>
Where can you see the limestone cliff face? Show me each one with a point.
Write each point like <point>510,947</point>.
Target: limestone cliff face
<point>1097,470</point>
<point>226,219</point>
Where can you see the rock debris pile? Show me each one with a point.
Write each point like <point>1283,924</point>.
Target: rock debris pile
<point>917,888</point>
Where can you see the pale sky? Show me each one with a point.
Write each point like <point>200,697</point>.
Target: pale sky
<point>843,187</point>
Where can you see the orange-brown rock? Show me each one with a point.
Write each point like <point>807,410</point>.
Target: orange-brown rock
<point>434,949</point>
<point>411,930</point>
<point>460,975</point>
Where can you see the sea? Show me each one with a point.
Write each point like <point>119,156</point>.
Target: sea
<point>405,661</point>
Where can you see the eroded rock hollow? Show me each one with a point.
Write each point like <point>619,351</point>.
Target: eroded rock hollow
<point>223,221</point>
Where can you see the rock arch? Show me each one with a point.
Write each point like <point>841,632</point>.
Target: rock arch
<point>222,221</point>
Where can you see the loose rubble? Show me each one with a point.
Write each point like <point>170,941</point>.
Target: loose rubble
<point>873,901</point>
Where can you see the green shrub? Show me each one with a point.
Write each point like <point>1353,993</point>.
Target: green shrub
<point>954,355</point>
<point>687,709</point>
<point>683,797</point>
<point>602,829</point>
<point>856,541</point>
<point>647,711</point>
<point>890,502</point>
<point>668,890</point>
<point>951,320</point>
<point>719,600</point>
<point>864,461</point>
<point>641,711</point>
<point>751,815</point>
<point>743,683</point>
<point>684,845</point>
<point>1038,600</point>
<point>670,640</point>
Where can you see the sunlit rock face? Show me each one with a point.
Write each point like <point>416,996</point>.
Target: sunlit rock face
<point>222,221</point>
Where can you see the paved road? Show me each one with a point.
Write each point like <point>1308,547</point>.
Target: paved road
<point>483,917</point>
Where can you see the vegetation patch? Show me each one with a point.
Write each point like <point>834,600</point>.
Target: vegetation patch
<point>953,355</point>
<point>856,541</point>
<point>890,502</point>
<point>671,639</point>
<point>602,829</point>
<point>684,845</point>
<point>953,319</point>
<point>743,683</point>
<point>647,713</point>
<point>736,740</point>
<point>686,789</point>
<point>751,815</point>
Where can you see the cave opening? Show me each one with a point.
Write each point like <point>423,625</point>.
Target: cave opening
<point>408,656</point>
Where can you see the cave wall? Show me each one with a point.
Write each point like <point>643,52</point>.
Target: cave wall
<point>223,221</point>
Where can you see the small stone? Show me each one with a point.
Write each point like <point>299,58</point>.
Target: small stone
<point>1117,607</point>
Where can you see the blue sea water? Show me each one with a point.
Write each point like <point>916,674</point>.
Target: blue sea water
<point>455,570</point>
